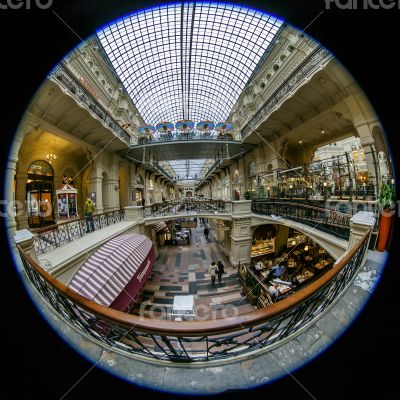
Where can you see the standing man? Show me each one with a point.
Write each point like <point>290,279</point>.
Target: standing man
<point>206,232</point>
<point>89,208</point>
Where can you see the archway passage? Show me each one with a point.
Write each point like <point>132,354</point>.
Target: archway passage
<point>39,194</point>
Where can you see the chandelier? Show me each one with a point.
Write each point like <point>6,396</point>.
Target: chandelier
<point>50,157</point>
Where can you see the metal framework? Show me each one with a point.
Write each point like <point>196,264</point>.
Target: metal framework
<point>189,60</point>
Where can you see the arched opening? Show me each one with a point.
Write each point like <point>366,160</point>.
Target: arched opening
<point>39,194</point>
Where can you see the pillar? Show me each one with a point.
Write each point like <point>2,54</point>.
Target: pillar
<point>96,186</point>
<point>20,197</point>
<point>8,204</point>
<point>241,233</point>
<point>371,158</point>
<point>282,235</point>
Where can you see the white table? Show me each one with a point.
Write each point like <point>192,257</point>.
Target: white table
<point>183,305</point>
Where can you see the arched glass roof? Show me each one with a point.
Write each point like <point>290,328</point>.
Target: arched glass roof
<point>189,60</point>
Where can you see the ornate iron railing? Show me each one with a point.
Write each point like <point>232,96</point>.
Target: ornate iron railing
<point>185,136</point>
<point>323,219</point>
<point>291,83</point>
<point>61,75</point>
<point>188,207</point>
<point>191,341</point>
<point>54,236</point>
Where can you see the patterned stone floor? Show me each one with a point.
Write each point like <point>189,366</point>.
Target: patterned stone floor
<point>183,270</point>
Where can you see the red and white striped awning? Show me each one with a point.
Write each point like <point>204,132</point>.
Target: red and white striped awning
<point>159,226</point>
<point>106,274</point>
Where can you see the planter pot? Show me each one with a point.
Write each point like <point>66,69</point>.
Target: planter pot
<point>384,231</point>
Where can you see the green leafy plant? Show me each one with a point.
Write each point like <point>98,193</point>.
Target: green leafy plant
<point>387,196</point>
<point>247,195</point>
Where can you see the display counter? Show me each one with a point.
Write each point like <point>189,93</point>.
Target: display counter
<point>262,247</point>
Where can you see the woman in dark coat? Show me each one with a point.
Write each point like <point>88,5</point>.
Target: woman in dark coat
<point>220,270</point>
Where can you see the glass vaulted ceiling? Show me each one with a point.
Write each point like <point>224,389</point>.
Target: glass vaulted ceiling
<point>189,60</point>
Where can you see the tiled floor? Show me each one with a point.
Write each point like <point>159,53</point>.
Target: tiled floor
<point>183,270</point>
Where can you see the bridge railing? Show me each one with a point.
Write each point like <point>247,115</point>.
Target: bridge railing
<point>188,207</point>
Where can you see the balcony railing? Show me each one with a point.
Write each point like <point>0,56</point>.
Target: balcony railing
<point>330,221</point>
<point>188,207</point>
<point>193,341</point>
<point>55,236</point>
<point>68,81</point>
<point>177,136</point>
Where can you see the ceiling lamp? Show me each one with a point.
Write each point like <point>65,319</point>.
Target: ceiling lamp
<point>50,157</point>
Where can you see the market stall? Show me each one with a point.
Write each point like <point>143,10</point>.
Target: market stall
<point>66,201</point>
<point>115,274</point>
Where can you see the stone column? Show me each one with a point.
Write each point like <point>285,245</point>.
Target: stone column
<point>242,178</point>
<point>8,204</point>
<point>22,211</point>
<point>371,159</point>
<point>282,235</point>
<point>96,185</point>
<point>241,233</point>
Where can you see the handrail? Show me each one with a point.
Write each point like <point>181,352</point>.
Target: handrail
<point>330,221</point>
<point>309,206</point>
<point>188,207</point>
<point>56,235</point>
<point>197,328</point>
<point>193,135</point>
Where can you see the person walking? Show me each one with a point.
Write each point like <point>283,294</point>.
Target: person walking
<point>212,270</point>
<point>206,232</point>
<point>220,270</point>
<point>89,208</point>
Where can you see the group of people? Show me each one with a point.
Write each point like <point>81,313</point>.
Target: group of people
<point>216,270</point>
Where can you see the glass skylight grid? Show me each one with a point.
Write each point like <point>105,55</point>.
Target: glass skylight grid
<point>187,60</point>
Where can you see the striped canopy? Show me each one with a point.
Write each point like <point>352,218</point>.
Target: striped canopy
<point>106,274</point>
<point>159,226</point>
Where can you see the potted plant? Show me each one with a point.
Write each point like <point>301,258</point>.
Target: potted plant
<point>386,201</point>
<point>247,195</point>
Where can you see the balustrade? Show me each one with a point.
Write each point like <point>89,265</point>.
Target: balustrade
<point>52,237</point>
<point>191,341</point>
<point>326,220</point>
<point>188,207</point>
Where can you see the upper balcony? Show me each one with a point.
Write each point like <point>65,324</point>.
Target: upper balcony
<point>70,85</point>
<point>191,144</point>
